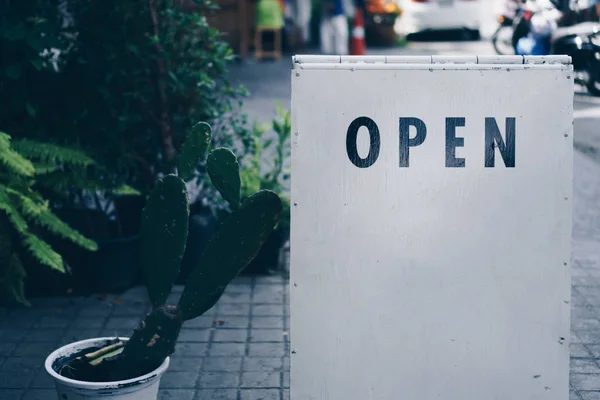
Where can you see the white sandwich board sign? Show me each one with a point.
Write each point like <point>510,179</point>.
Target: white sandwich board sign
<point>431,228</point>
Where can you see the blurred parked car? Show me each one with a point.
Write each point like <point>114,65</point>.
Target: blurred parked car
<point>426,15</point>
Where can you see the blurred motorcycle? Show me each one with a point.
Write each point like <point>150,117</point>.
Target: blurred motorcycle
<point>502,37</point>
<point>582,43</point>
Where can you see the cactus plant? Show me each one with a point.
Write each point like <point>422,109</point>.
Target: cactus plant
<point>162,245</point>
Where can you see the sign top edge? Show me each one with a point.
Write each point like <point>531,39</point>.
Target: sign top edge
<point>302,59</point>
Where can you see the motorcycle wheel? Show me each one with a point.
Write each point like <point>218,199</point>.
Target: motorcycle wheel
<point>593,83</point>
<point>502,40</point>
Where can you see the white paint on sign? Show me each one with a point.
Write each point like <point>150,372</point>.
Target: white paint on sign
<point>438,266</point>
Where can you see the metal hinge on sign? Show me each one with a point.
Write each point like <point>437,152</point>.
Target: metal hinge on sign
<point>504,60</point>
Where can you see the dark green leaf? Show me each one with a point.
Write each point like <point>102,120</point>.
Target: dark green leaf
<point>235,244</point>
<point>163,236</point>
<point>224,171</point>
<point>194,150</point>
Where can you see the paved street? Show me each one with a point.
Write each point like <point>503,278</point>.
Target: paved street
<point>238,351</point>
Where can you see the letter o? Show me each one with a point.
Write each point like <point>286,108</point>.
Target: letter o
<point>374,142</point>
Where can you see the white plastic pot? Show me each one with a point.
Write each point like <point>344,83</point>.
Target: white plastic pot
<point>141,388</point>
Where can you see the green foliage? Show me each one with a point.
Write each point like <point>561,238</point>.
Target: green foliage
<point>235,244</point>
<point>193,150</point>
<point>163,236</point>
<point>274,176</point>
<point>164,233</point>
<point>25,214</point>
<point>224,171</point>
<point>127,87</point>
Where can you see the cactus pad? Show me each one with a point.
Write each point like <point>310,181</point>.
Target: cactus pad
<point>233,246</point>
<point>194,150</point>
<point>224,171</point>
<point>163,237</point>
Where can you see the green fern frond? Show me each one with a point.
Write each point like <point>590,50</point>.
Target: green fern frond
<point>43,167</point>
<point>43,252</point>
<point>41,215</point>
<point>126,190</point>
<point>50,153</point>
<point>12,212</point>
<point>12,160</point>
<point>14,281</point>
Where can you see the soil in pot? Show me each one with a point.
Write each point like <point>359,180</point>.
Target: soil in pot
<point>74,367</point>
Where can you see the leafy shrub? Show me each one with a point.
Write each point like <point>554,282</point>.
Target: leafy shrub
<point>132,78</point>
<point>25,213</point>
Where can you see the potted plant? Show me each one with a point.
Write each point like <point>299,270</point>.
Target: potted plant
<point>26,217</point>
<point>131,368</point>
<point>275,178</point>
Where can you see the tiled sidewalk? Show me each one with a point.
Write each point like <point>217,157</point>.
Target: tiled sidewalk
<point>237,351</point>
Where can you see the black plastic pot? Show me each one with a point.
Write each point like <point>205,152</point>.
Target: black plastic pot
<point>113,268</point>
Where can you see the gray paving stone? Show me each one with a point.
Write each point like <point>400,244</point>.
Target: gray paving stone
<point>588,337</point>
<point>123,323</point>
<point>191,349</point>
<point>185,364</point>
<point>579,350</point>
<point>265,364</point>
<point>286,380</point>
<point>42,380</point>
<point>176,394</point>
<point>10,394</point>
<point>53,322</point>
<point>268,294</point>
<point>178,380</point>
<point>40,394</point>
<point>232,322</point>
<point>268,335</point>
<point>114,332</point>
<point>594,349</point>
<point>268,322</point>
<point>239,287</point>
<point>286,363</point>
<point>261,379</point>
<point>267,310</point>
<point>234,297</point>
<point>212,380</point>
<point>29,349</point>
<point>203,321</point>
<point>6,349</point>
<point>75,335</point>
<point>12,334</point>
<point>97,310</point>
<point>286,394</point>
<point>217,394</point>
<point>260,394</point>
<point>131,310</point>
<point>586,381</point>
<point>234,309</point>
<point>584,366</point>
<point>581,324</point>
<point>44,335</point>
<point>227,349</point>
<point>585,395</point>
<point>266,349</point>
<point>15,379</point>
<point>231,335</point>
<point>88,322</point>
<point>222,364</point>
<point>194,335</point>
